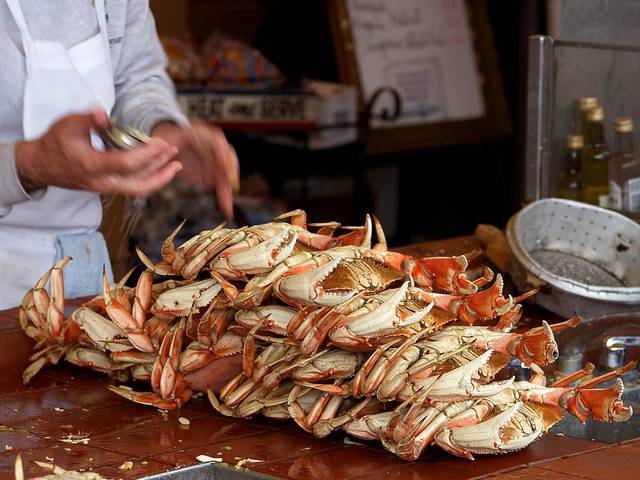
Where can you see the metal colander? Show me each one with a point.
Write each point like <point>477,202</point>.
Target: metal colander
<point>588,256</point>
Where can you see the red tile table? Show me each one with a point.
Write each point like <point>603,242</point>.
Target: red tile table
<point>64,400</point>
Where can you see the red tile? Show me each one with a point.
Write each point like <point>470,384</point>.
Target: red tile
<point>18,407</point>
<point>141,468</point>
<point>338,463</point>
<point>265,447</point>
<point>201,405</point>
<point>9,320</point>
<point>619,462</point>
<point>17,440</point>
<point>94,421</point>
<point>438,465</point>
<point>533,473</point>
<point>16,348</point>
<point>69,457</point>
<point>162,436</point>
<point>67,373</point>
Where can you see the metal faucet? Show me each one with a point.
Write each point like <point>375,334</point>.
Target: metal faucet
<point>615,350</point>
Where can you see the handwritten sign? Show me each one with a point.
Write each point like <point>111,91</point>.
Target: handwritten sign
<point>225,107</point>
<point>423,49</point>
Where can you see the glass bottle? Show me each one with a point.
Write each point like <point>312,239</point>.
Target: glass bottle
<point>586,104</point>
<point>571,184</point>
<point>624,169</point>
<point>595,158</point>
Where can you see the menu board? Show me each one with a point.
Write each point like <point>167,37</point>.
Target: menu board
<point>423,50</point>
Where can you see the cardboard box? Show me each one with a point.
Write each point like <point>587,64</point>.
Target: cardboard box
<point>335,109</point>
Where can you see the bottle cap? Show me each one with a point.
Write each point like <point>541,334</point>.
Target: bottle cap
<point>595,114</point>
<point>575,141</point>
<point>587,103</point>
<point>623,124</point>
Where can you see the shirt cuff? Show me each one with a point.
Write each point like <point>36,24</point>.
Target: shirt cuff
<point>152,117</point>
<point>11,190</point>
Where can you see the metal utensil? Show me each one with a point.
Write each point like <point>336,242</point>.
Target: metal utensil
<point>589,257</point>
<point>122,137</point>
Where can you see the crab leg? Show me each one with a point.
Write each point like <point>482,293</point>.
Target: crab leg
<point>142,299</point>
<point>352,419</point>
<point>121,317</point>
<point>569,379</point>
<point>357,386</point>
<point>151,398</point>
<point>375,371</point>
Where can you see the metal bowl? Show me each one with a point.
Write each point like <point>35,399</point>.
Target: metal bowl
<point>588,256</point>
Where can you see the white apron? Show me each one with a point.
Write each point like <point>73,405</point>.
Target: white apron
<point>59,81</point>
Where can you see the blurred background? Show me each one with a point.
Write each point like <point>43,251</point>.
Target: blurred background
<point>316,147</point>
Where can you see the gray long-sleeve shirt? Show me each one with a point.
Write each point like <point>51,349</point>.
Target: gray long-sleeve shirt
<point>144,92</point>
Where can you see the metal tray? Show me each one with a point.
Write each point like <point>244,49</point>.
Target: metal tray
<point>210,471</point>
<point>589,257</point>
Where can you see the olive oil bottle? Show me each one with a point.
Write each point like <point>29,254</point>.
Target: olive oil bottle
<point>585,104</point>
<point>624,169</point>
<point>571,184</point>
<point>595,160</point>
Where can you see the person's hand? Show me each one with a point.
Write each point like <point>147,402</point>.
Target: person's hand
<point>209,160</point>
<point>64,157</point>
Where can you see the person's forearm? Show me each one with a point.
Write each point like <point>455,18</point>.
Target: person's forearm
<point>12,188</point>
<point>26,154</point>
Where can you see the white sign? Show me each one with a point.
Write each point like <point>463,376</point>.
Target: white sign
<point>423,50</point>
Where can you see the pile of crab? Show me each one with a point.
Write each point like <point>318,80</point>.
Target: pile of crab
<point>294,321</point>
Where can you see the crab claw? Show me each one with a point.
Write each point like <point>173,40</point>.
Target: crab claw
<point>49,356</point>
<point>600,404</point>
<point>125,320</point>
<point>462,382</point>
<point>445,273</point>
<point>489,436</point>
<point>356,331</point>
<point>197,355</point>
<point>369,426</point>
<point>296,217</point>
<point>482,305</point>
<point>306,288</point>
<point>183,299</point>
<point>360,236</point>
<point>259,259</point>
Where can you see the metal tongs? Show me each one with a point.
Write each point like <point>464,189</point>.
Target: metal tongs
<point>122,137</point>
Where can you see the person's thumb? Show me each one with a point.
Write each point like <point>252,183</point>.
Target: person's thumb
<point>99,119</point>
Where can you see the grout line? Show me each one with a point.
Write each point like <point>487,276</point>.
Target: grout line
<point>179,448</point>
<point>90,448</point>
<point>295,457</point>
<point>569,455</point>
<point>31,391</point>
<point>570,474</point>
<point>541,463</point>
